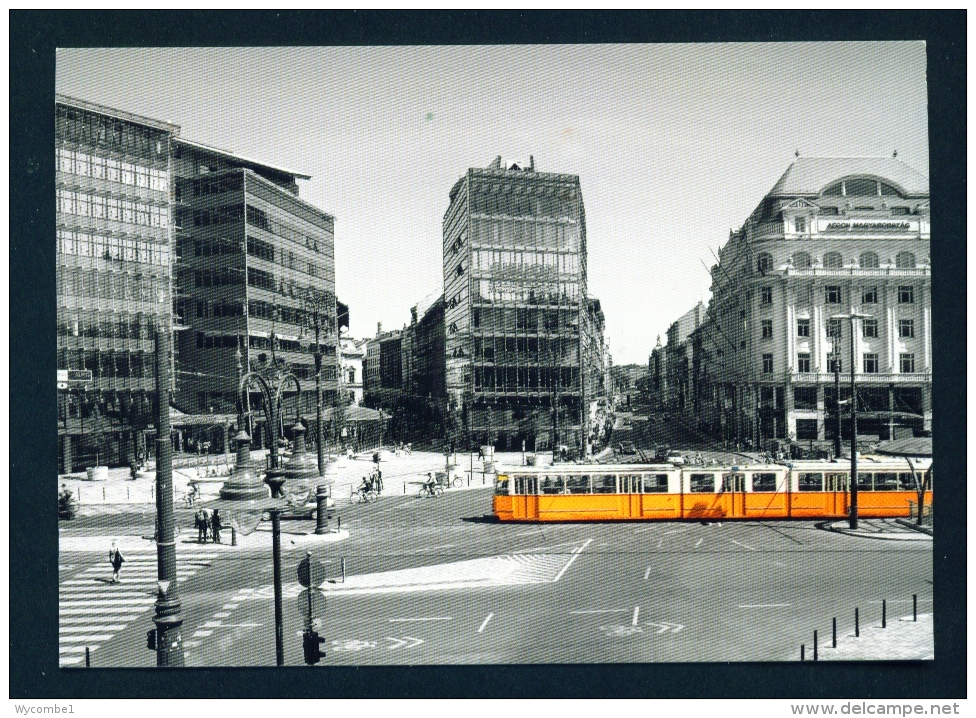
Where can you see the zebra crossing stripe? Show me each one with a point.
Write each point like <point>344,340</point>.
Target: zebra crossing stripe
<point>92,627</point>
<point>83,639</point>
<point>95,609</point>
<point>119,602</point>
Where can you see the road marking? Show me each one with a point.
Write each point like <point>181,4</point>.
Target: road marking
<point>229,606</point>
<point>634,620</point>
<point>144,601</point>
<point>433,618</point>
<point>406,641</point>
<point>120,609</point>
<point>601,610</point>
<point>434,548</point>
<point>222,614</point>
<point>576,553</point>
<point>82,639</point>
<point>699,542</point>
<point>660,542</point>
<point>485,622</point>
<point>665,626</point>
<point>648,528</point>
<point>676,531</point>
<point>742,545</point>
<point>85,629</point>
<point>239,625</point>
<point>902,600</point>
<point>764,605</point>
<point>647,573</point>
<point>202,634</point>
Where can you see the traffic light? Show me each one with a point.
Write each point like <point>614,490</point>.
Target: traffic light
<point>151,639</point>
<point>311,647</point>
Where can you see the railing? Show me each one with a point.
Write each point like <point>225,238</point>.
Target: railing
<point>880,378</point>
<point>856,272</point>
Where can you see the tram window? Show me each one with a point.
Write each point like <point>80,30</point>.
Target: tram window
<point>906,482</point>
<point>525,485</point>
<point>837,482</point>
<point>607,484</point>
<point>501,486</point>
<point>764,482</point>
<point>551,485</point>
<point>578,484</point>
<point>702,483</point>
<point>810,482</point>
<point>885,482</point>
<point>864,480</point>
<point>655,483</point>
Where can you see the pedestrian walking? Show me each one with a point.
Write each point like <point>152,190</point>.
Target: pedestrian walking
<point>378,481</point>
<point>207,524</point>
<point>116,558</point>
<point>216,525</point>
<point>200,521</point>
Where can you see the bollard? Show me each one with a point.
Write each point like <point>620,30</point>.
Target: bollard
<point>835,633</point>
<point>404,488</point>
<point>857,625</point>
<point>338,523</point>
<point>233,536</point>
<point>814,645</point>
<point>914,606</point>
<point>884,613</point>
<point>803,655</point>
<point>321,511</point>
<point>342,563</point>
<point>87,657</point>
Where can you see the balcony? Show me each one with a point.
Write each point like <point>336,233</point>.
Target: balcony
<point>856,272</point>
<point>845,378</point>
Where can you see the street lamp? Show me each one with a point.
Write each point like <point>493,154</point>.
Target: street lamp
<point>852,317</point>
<point>316,305</point>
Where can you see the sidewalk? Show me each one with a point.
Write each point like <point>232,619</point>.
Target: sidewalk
<point>883,529</point>
<point>903,640</point>
<point>186,542</point>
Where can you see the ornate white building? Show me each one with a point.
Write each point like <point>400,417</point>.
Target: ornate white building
<point>834,234</point>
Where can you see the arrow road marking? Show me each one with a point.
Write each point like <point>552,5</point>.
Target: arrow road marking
<point>699,542</point>
<point>647,573</point>
<point>665,626</point>
<point>433,618</point>
<point>600,610</point>
<point>485,623</point>
<point>636,612</point>
<point>406,641</point>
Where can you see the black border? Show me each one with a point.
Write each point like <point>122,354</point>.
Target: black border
<point>34,35</point>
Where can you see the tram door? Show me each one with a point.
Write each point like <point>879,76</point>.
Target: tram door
<point>525,502</point>
<point>837,485</point>
<point>630,488</point>
<point>734,487</point>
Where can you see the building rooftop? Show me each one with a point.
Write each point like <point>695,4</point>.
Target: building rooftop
<point>243,161</point>
<point>810,175</point>
<point>67,101</point>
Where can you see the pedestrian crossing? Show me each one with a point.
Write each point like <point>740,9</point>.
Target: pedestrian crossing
<point>93,610</point>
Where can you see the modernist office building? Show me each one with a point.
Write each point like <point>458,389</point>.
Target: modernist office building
<point>834,234</point>
<point>256,272</point>
<point>514,306</point>
<point>113,276</point>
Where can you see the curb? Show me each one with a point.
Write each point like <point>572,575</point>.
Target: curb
<point>915,527</point>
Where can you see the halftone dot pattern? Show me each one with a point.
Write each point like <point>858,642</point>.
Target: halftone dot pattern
<point>674,146</point>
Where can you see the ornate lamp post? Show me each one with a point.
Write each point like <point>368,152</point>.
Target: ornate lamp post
<point>317,306</point>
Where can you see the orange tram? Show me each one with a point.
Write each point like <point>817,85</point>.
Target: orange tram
<point>637,492</point>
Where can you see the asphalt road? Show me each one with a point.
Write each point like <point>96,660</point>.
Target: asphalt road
<point>435,581</point>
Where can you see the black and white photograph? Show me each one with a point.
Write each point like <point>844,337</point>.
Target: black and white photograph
<point>515,354</point>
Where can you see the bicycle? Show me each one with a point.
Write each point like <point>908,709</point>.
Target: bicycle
<point>458,482</point>
<point>189,498</point>
<point>426,491</point>
<point>364,496</point>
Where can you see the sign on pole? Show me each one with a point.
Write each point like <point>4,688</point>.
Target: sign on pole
<point>311,572</point>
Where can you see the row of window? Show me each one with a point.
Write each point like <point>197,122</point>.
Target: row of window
<point>512,378</point>
<point>81,282</point>
<point>521,292</point>
<point>118,325</point>
<point>259,218</point>
<point>517,262</point>
<point>833,295</point>
<point>112,248</point>
<point>206,186</point>
<point>523,234</point>
<point>288,345</point>
<point>264,250</point>
<point>519,205</point>
<point>702,483</point>
<point>108,364</point>
<point>869,328</point>
<point>870,363</point>
<point>527,320</point>
<point>112,208</point>
<point>105,168</point>
<point>219,309</point>
<point>834,260</point>
<point>291,315</point>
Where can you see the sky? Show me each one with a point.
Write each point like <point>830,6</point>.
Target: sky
<point>675,145</point>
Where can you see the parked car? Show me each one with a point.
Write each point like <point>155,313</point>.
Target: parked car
<point>627,447</point>
<point>675,457</point>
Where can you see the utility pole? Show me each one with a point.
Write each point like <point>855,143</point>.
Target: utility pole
<point>854,315</point>
<point>168,617</point>
<point>837,438</point>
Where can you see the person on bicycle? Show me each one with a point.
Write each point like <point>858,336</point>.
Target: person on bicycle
<point>365,487</point>
<point>431,483</point>
<point>193,494</point>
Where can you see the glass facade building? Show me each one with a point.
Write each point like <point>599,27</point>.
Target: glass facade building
<point>514,283</point>
<point>114,284</point>
<point>256,270</point>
